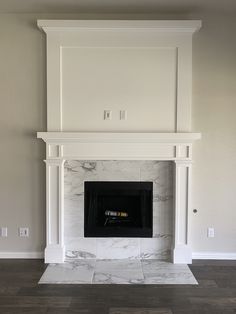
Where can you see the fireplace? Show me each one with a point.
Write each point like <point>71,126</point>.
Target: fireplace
<point>118,209</point>
<point>153,65</point>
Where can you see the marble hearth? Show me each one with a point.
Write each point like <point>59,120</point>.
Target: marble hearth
<point>125,271</point>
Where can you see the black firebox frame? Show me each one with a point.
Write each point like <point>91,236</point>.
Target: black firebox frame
<point>139,198</point>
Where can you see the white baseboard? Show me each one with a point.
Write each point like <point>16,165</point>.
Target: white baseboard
<point>26,255</point>
<point>214,255</point>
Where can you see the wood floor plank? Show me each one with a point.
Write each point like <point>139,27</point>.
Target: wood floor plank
<point>126,310</point>
<point>32,310</point>
<point>221,302</point>
<point>38,302</point>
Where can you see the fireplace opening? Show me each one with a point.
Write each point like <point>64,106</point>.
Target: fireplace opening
<point>118,209</point>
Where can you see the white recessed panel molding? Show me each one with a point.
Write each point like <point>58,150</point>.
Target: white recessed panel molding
<point>143,80</point>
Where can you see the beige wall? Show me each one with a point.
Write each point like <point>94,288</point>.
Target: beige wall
<point>23,112</point>
<point>214,112</point>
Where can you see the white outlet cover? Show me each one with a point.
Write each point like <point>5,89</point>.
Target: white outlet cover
<point>4,232</point>
<point>123,115</point>
<point>210,232</point>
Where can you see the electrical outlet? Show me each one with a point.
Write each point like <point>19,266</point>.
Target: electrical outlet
<point>23,232</point>
<point>210,232</point>
<point>3,232</point>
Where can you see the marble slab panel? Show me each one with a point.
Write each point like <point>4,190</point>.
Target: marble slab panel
<point>161,174</point>
<point>156,248</point>
<point>81,248</point>
<point>114,265</point>
<point>118,170</point>
<point>74,216</point>
<point>78,171</point>
<point>118,248</point>
<point>162,219</point>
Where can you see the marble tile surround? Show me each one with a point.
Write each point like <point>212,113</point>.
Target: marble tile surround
<point>125,271</point>
<point>158,247</point>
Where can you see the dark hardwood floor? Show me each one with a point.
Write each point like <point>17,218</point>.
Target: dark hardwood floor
<point>20,293</point>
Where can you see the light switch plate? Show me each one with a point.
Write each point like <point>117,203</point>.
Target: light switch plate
<point>107,114</point>
<point>123,114</point>
<point>23,232</point>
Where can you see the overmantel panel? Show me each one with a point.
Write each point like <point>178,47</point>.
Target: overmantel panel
<point>160,34</point>
<point>97,78</point>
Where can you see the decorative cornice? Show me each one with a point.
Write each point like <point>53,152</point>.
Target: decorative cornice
<point>172,26</point>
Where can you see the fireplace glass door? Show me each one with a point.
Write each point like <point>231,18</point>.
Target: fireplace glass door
<point>118,209</point>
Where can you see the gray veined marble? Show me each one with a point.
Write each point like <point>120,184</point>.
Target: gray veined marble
<point>123,271</point>
<point>118,272</point>
<point>81,248</point>
<point>158,247</point>
<point>159,272</point>
<point>114,265</point>
<point>122,278</point>
<point>78,272</point>
<point>118,248</point>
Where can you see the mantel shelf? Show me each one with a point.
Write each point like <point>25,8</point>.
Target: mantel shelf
<point>103,137</point>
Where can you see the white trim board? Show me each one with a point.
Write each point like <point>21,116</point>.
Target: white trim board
<point>214,255</point>
<point>26,255</point>
<point>189,26</point>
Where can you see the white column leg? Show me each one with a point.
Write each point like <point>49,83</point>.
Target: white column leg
<point>181,250</point>
<point>55,250</point>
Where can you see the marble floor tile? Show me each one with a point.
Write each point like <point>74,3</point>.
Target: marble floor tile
<point>125,277</point>
<point>76,272</point>
<point>118,272</point>
<point>158,272</point>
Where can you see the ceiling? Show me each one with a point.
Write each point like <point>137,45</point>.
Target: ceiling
<point>115,6</point>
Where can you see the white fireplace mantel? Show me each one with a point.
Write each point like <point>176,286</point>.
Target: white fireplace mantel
<point>82,57</point>
<point>63,146</point>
